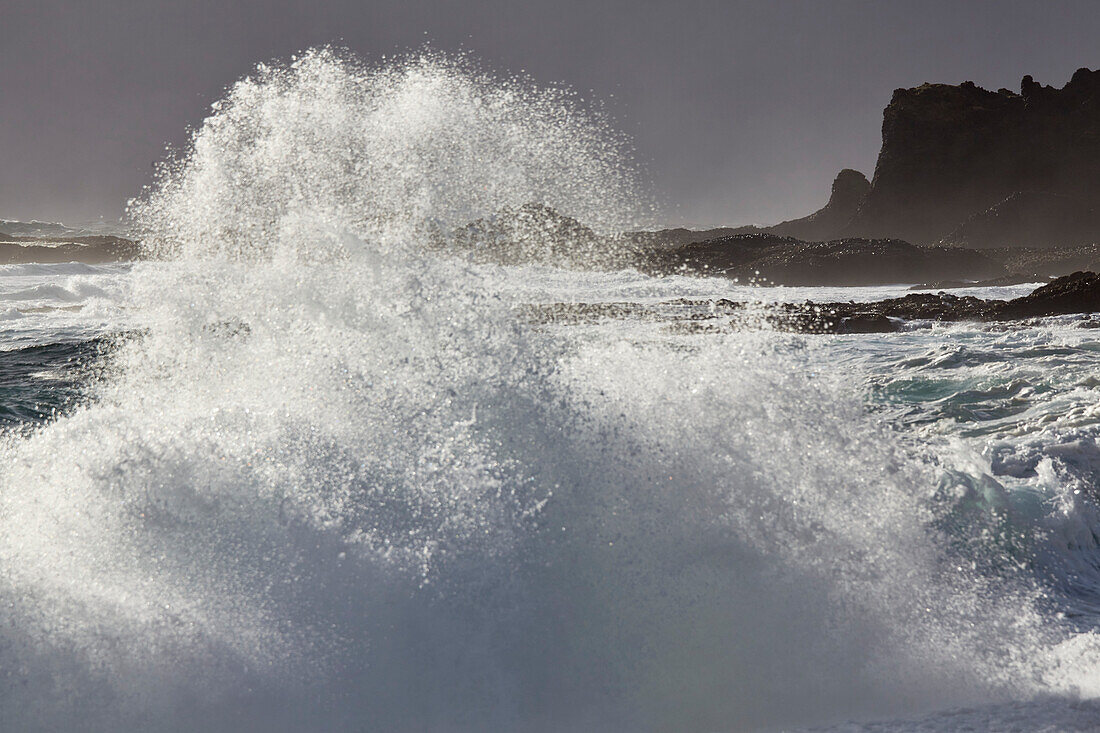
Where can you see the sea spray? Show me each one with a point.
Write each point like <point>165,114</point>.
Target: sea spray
<point>337,484</point>
<point>307,159</point>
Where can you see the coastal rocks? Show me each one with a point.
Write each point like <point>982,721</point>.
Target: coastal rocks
<point>1037,264</point>
<point>788,261</point>
<point>1076,293</point>
<point>1030,219</point>
<point>885,316</point>
<point>965,166</point>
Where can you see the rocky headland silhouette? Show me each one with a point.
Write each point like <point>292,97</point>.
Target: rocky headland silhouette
<point>971,187</point>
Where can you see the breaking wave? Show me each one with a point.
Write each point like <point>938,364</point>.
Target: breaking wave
<point>336,484</point>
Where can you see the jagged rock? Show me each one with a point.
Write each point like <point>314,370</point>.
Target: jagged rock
<point>850,188</point>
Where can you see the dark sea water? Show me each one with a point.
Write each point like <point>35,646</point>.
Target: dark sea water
<point>38,383</point>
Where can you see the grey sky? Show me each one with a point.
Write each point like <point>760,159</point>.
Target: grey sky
<point>741,112</point>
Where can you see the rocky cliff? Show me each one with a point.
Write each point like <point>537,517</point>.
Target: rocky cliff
<point>961,164</point>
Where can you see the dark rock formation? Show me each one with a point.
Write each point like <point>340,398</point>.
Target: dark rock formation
<point>964,166</point>
<point>1042,263</point>
<point>882,316</point>
<point>950,153</point>
<point>789,261</point>
<point>665,238</point>
<point>1030,219</point>
<point>850,188</point>
<point>1076,293</point>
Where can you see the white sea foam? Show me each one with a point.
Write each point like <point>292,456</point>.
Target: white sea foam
<point>70,301</point>
<point>338,485</point>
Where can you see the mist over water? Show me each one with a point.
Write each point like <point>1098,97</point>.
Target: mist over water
<point>337,483</point>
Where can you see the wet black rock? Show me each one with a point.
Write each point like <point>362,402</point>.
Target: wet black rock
<point>1076,293</point>
<point>1072,294</point>
<point>868,323</point>
<point>785,260</point>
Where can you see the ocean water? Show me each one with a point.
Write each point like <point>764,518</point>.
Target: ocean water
<point>301,472</point>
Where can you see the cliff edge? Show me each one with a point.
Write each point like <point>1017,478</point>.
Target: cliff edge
<point>963,165</point>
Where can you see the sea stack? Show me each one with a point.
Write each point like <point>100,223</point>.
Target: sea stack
<point>850,189</point>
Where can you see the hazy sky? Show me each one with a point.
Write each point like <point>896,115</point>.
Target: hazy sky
<point>741,111</point>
